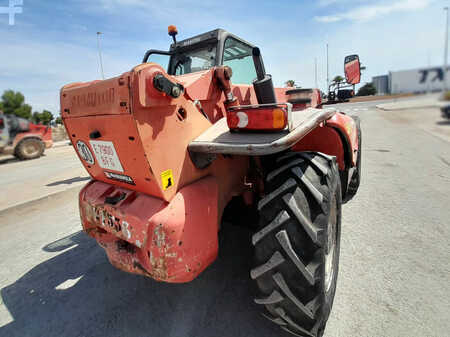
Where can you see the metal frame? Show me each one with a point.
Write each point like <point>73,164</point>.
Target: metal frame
<point>219,36</point>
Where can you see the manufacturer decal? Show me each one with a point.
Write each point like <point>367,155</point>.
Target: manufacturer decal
<point>120,177</point>
<point>85,153</point>
<point>167,179</point>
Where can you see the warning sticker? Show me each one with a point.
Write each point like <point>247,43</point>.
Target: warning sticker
<point>119,177</point>
<point>167,179</point>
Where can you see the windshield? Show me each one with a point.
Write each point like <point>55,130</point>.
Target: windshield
<point>193,60</point>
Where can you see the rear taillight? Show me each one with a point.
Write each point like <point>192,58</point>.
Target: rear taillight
<point>264,117</point>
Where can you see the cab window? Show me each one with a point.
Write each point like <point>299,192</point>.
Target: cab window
<point>198,59</point>
<point>238,56</point>
<point>162,60</point>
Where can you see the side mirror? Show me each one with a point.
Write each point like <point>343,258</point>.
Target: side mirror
<point>352,69</point>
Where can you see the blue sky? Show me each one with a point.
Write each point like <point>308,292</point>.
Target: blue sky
<point>54,42</point>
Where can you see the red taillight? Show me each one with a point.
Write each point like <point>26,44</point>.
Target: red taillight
<point>272,117</point>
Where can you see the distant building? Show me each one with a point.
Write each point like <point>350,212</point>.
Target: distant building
<point>381,83</point>
<point>418,80</point>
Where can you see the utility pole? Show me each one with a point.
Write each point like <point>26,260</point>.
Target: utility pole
<point>328,80</point>
<point>429,66</point>
<point>315,72</point>
<point>446,49</point>
<point>100,54</point>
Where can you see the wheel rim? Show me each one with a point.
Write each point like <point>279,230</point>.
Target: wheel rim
<point>31,148</point>
<point>331,246</point>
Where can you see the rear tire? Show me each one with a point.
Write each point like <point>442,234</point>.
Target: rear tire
<point>355,181</point>
<point>29,148</point>
<point>297,242</point>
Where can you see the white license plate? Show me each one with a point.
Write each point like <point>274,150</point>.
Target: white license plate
<point>106,155</point>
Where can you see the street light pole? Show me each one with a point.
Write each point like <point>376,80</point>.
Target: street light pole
<point>446,49</point>
<point>328,80</point>
<point>315,72</point>
<point>100,54</point>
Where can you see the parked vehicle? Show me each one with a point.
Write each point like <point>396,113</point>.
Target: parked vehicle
<point>445,111</point>
<point>23,139</point>
<point>168,148</point>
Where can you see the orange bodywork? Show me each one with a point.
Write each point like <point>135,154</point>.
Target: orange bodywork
<point>337,137</point>
<point>150,133</point>
<point>170,242</point>
<point>153,211</point>
<point>41,132</point>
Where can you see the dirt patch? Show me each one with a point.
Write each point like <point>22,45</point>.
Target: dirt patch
<point>378,98</point>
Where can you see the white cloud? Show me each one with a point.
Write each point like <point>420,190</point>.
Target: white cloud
<point>39,69</point>
<point>397,42</point>
<point>324,3</point>
<point>328,18</point>
<point>369,12</point>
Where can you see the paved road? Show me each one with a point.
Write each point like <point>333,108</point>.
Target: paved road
<point>23,181</point>
<point>394,272</point>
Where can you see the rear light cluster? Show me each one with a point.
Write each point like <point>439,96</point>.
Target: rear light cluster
<point>262,117</point>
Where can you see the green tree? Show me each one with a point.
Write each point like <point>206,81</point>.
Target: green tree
<point>58,120</point>
<point>290,83</point>
<point>44,117</point>
<point>14,103</point>
<point>338,80</point>
<point>367,90</point>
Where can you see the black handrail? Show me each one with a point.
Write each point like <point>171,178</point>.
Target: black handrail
<point>155,51</point>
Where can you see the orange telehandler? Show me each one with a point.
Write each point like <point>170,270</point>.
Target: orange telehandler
<point>168,148</point>
<point>23,139</point>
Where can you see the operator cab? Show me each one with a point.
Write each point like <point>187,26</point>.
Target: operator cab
<point>212,49</point>
<point>4,132</point>
<point>202,52</point>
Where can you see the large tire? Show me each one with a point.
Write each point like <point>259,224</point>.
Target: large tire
<point>29,148</point>
<point>355,181</point>
<point>297,244</point>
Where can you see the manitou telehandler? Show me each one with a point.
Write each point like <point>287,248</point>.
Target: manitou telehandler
<point>168,148</point>
<point>23,139</point>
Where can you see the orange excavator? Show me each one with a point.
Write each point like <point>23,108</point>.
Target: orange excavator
<point>171,142</point>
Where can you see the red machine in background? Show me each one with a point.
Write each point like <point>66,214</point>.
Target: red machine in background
<point>23,139</point>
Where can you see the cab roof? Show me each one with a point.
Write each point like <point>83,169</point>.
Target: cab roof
<point>213,35</point>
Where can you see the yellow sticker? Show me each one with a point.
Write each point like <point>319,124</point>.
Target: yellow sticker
<point>167,179</point>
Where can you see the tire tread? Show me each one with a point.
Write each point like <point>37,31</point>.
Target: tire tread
<point>290,272</point>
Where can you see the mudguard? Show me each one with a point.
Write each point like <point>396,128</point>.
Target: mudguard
<point>338,136</point>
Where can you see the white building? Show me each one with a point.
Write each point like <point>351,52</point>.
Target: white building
<point>418,80</point>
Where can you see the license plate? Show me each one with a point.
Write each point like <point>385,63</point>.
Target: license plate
<point>106,155</point>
